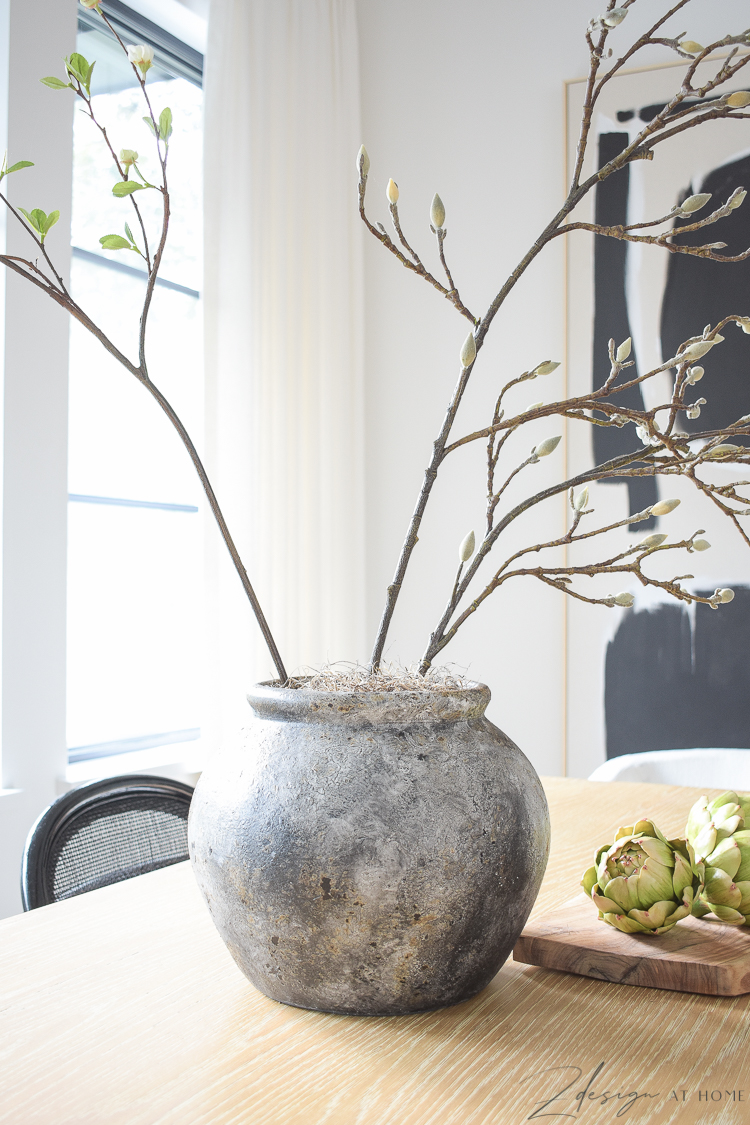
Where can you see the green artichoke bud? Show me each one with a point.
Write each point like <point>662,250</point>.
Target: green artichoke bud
<point>710,822</point>
<point>716,830</point>
<point>643,883</point>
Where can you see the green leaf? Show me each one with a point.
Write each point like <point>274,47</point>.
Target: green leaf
<point>78,66</point>
<point>165,124</point>
<point>150,124</point>
<point>56,83</point>
<point>33,218</point>
<point>41,222</point>
<point>88,76</point>
<point>14,167</point>
<point>126,187</point>
<point>114,242</point>
<point>129,233</point>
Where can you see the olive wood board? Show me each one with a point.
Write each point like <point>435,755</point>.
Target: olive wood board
<point>697,955</point>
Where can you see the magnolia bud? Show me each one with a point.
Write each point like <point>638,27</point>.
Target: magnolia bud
<point>91,4</point>
<point>142,56</point>
<point>725,596</point>
<point>466,550</point>
<point>546,368</point>
<point>736,199</point>
<point>581,499</point>
<point>363,162</point>
<point>695,202</point>
<point>695,410</point>
<point>694,375</point>
<point>643,434</point>
<point>128,156</point>
<point>690,47</point>
<point>744,324</point>
<point>664,507</point>
<point>533,406</point>
<point>698,349</point>
<point>653,540</point>
<point>392,192</point>
<point>624,350</point>
<point>739,99</point>
<point>468,351</point>
<point>723,450</point>
<point>437,212</point>
<point>549,445</point>
<point>744,420</point>
<point>625,599</point>
<point>614,17</point>
<point>701,544</point>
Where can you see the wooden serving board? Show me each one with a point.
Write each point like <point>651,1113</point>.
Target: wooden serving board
<point>696,956</point>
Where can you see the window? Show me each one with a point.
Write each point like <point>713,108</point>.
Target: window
<point>134,522</point>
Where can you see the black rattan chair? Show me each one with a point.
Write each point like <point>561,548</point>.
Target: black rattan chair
<point>103,833</point>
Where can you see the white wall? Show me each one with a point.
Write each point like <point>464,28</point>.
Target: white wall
<point>467,100</point>
<point>35,418</point>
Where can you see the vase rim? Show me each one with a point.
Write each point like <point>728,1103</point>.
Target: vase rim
<point>269,701</point>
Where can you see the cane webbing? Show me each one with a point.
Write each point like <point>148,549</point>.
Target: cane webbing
<point>117,840</point>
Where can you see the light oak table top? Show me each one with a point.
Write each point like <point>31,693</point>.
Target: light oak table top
<point>122,1007</point>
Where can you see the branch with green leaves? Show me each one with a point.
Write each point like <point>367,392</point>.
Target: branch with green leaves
<point>131,181</point>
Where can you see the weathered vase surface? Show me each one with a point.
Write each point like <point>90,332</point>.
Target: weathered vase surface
<point>370,853</point>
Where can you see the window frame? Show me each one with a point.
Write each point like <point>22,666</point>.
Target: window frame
<point>38,125</point>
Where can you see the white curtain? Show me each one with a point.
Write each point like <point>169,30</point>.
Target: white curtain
<point>283,301</point>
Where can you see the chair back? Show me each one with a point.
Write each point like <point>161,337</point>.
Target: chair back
<point>103,833</point>
<point>718,768</point>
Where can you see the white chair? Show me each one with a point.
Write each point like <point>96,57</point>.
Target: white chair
<point>715,768</point>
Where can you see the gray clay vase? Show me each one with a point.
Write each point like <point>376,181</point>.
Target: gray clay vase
<point>373,853</point>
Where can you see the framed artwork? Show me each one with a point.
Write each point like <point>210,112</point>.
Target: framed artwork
<point>660,675</point>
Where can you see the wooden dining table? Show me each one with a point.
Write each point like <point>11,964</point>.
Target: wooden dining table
<point>123,1007</point>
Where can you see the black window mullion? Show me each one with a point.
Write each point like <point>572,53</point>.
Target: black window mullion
<point>171,54</point>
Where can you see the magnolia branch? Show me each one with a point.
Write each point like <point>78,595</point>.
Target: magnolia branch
<point>640,147</point>
<point>623,467</point>
<point>560,577</point>
<point>414,263</point>
<point>59,293</point>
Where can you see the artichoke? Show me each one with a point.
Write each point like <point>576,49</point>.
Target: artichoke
<point>643,883</point>
<point>716,831</point>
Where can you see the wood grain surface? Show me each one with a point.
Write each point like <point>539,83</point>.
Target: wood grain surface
<point>698,955</point>
<point>122,1007</point>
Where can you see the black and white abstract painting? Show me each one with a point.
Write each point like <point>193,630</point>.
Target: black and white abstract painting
<point>662,675</point>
